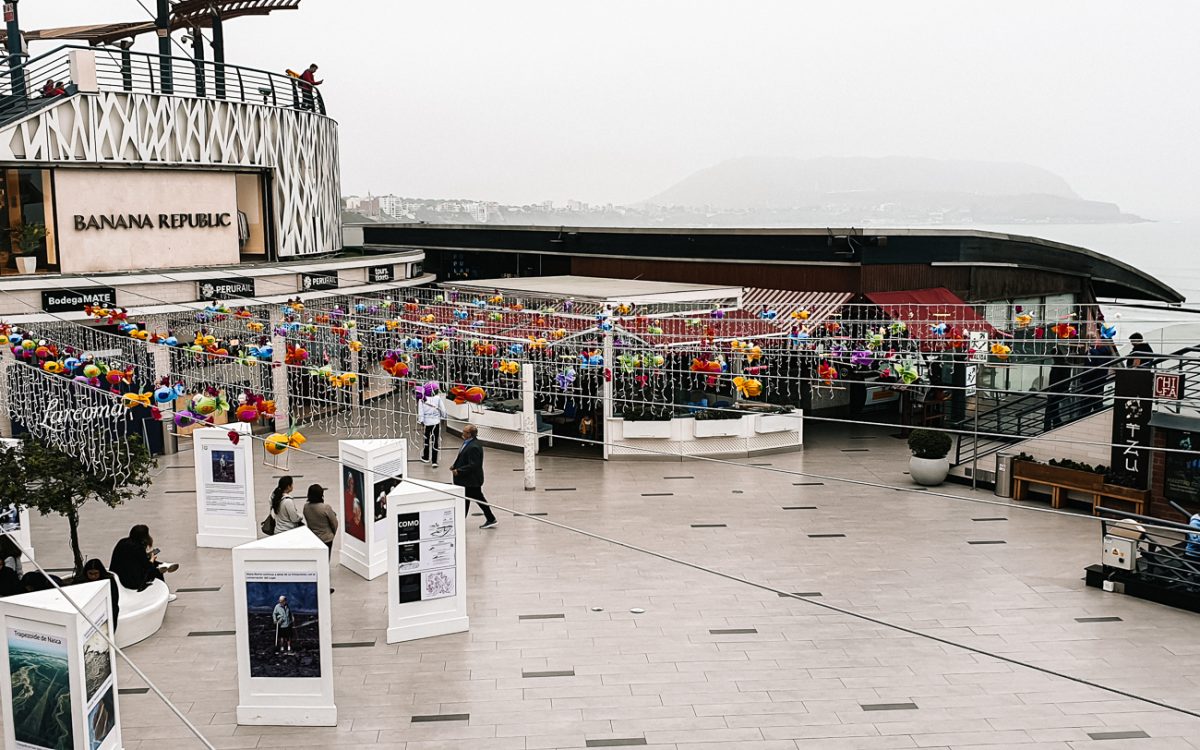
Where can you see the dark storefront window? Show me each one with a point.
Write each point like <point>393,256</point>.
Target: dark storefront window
<point>28,200</point>
<point>1181,479</point>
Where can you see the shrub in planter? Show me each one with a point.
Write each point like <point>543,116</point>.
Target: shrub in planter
<point>709,414</point>
<point>647,415</point>
<point>1068,463</point>
<point>928,465</point>
<point>929,444</point>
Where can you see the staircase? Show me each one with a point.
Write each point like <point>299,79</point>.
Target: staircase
<point>1024,416</point>
<point>20,88</point>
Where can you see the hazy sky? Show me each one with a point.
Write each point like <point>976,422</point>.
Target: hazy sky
<point>613,101</point>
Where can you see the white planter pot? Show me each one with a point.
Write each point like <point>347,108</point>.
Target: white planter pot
<point>928,472</point>
<point>719,427</point>
<point>766,423</point>
<point>27,263</point>
<point>457,412</point>
<point>498,419</point>
<point>646,429</point>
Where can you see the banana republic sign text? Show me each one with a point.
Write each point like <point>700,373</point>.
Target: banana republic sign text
<point>100,222</point>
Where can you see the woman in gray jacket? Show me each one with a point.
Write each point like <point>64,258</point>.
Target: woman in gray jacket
<point>283,508</point>
<point>320,518</point>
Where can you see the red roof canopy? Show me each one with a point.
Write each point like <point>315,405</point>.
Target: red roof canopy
<point>921,309</point>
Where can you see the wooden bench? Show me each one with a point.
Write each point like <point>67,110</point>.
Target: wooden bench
<point>1062,480</point>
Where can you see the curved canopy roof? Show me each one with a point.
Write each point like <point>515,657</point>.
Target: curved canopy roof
<point>878,248</point>
<point>184,14</point>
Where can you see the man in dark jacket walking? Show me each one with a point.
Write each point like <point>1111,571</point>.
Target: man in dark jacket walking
<point>468,474</point>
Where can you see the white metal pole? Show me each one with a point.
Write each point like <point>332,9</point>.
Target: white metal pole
<point>529,426</point>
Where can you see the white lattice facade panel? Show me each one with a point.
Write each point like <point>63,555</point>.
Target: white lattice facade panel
<point>300,149</point>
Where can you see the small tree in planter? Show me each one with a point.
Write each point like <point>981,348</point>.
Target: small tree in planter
<point>929,465</point>
<point>48,480</point>
<point>26,239</point>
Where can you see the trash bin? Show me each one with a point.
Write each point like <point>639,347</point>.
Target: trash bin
<point>1004,462</point>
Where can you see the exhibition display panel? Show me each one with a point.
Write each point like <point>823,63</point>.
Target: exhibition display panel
<point>284,635</point>
<point>370,470</point>
<point>224,486</point>
<point>62,685</point>
<point>427,555</point>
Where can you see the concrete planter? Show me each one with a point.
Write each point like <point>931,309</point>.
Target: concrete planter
<point>27,263</point>
<point>767,423</point>
<point>929,472</point>
<point>646,429</point>
<point>720,427</point>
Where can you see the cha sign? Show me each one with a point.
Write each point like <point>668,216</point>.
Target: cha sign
<point>236,286</point>
<point>316,282</point>
<point>377,274</point>
<point>74,300</point>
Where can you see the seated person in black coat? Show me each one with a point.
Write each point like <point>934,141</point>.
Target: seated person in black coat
<point>132,561</point>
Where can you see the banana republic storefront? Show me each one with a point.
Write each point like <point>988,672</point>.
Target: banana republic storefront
<point>92,221</point>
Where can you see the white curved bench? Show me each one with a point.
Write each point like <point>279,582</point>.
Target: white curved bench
<point>142,613</point>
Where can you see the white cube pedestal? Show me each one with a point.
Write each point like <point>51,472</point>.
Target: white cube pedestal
<point>57,660</point>
<point>15,518</point>
<point>427,561</point>
<point>224,486</point>
<point>278,686</point>
<point>368,474</point>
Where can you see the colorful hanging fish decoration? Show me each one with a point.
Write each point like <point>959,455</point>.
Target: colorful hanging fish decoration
<point>748,387</point>
<point>827,373</point>
<point>565,379</point>
<point>862,358</point>
<point>1001,351</point>
<point>509,367</point>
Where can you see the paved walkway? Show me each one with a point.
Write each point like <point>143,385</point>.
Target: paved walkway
<point>785,673</point>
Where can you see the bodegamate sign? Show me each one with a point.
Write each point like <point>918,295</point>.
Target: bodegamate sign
<point>74,300</point>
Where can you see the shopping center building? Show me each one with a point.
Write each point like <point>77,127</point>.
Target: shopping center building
<point>154,181</point>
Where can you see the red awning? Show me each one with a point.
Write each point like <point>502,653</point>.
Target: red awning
<point>923,309</point>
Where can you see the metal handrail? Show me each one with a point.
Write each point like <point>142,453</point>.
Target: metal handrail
<point>1004,419</point>
<point>141,72</point>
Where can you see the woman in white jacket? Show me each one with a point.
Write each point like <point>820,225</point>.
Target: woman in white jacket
<point>431,411</point>
<point>283,509</point>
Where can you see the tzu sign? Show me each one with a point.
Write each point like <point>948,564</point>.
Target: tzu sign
<point>1133,406</point>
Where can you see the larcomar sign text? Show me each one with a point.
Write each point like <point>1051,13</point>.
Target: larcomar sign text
<point>101,222</point>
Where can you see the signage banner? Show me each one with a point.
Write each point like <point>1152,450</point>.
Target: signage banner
<point>1168,386</point>
<point>415,270</point>
<point>234,286</point>
<point>315,282</point>
<point>1132,409</point>
<point>377,274</point>
<point>74,300</point>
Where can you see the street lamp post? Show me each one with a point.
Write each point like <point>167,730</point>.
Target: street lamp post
<point>162,24</point>
<point>15,53</point>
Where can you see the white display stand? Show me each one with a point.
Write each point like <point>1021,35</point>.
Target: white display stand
<point>57,661</point>
<point>15,519</point>
<point>224,486</point>
<point>427,561</point>
<point>276,688</point>
<point>372,466</point>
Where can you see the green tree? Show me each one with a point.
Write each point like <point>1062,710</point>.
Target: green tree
<point>47,480</point>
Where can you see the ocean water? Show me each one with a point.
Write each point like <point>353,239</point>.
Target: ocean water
<point>1167,250</point>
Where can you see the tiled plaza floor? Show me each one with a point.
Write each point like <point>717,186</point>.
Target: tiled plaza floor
<point>794,675</point>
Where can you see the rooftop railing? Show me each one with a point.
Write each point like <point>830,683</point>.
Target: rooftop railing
<point>115,70</point>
